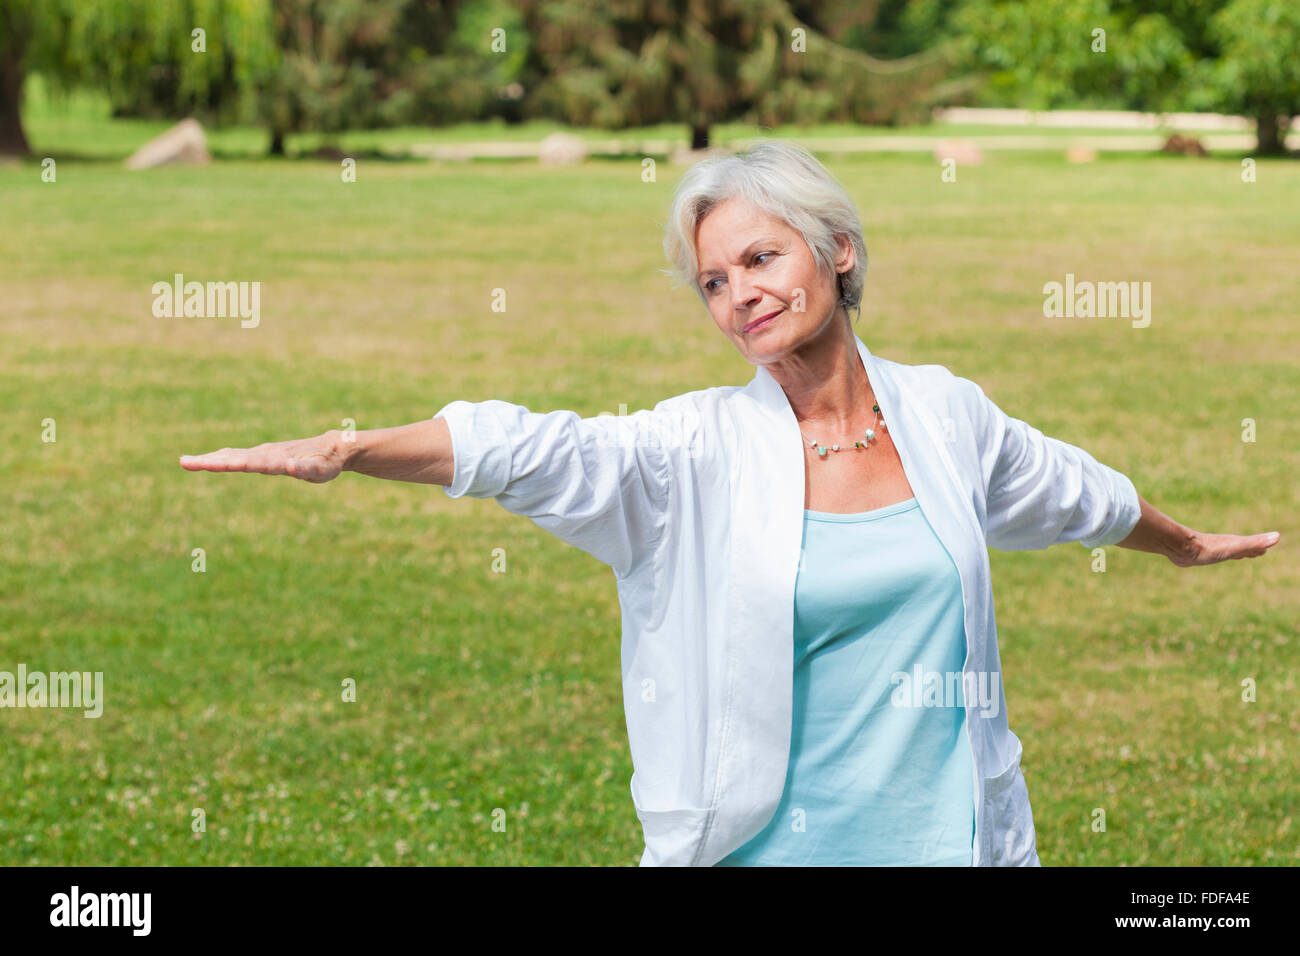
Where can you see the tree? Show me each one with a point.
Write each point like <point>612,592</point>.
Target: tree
<point>166,59</point>
<point>1236,56</point>
<point>295,65</point>
<point>144,54</point>
<point>16,27</point>
<point>623,63</point>
<point>1071,53</point>
<point>1258,68</point>
<point>365,63</point>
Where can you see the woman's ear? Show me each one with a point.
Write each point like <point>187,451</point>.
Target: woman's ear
<point>845,258</point>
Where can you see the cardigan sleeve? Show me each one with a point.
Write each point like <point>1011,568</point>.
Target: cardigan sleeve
<point>1041,491</point>
<point>600,484</point>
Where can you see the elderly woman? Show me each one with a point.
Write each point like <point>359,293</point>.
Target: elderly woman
<point>809,652</point>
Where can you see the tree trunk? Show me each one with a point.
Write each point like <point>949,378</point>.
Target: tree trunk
<point>699,136</point>
<point>1271,134</point>
<point>277,142</point>
<point>12,140</point>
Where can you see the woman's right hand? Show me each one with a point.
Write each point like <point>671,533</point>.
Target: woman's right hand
<point>317,460</point>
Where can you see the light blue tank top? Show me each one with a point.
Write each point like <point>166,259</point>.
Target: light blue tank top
<point>880,770</point>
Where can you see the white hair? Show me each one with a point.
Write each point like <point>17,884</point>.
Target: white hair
<point>787,182</point>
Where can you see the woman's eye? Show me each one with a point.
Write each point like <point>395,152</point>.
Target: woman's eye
<point>759,259</point>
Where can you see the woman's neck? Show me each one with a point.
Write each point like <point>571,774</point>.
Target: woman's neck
<point>825,382</point>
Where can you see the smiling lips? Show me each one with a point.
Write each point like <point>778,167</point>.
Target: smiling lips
<point>761,321</point>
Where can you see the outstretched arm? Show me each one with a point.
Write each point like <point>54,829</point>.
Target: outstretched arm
<point>1158,533</point>
<point>1042,491</point>
<point>420,452</point>
<point>601,484</point>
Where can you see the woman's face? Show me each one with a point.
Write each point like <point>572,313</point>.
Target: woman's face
<point>752,266</point>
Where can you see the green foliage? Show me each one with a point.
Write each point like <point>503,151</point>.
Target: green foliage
<point>1258,70</point>
<point>1237,57</point>
<point>143,54</point>
<point>331,65</point>
<point>1048,55</point>
<point>295,65</point>
<point>1163,55</point>
<point>635,62</point>
<point>1190,18</point>
<point>369,63</point>
<point>473,36</point>
<point>895,28</point>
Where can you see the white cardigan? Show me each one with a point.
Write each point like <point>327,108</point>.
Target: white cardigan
<point>698,505</point>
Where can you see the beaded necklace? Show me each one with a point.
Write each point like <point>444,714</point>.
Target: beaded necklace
<point>870,434</point>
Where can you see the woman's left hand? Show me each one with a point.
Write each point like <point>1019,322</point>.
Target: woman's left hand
<point>1213,548</point>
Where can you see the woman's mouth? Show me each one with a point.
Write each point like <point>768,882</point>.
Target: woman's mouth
<point>761,322</point>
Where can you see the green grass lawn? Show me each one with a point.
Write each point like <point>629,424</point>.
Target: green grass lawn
<point>479,691</point>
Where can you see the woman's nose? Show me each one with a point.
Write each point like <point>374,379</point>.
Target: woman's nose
<point>743,294</point>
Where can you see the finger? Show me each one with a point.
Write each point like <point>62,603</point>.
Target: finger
<point>234,459</point>
<point>1252,546</point>
<point>268,461</point>
<point>1260,543</point>
<point>227,459</point>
